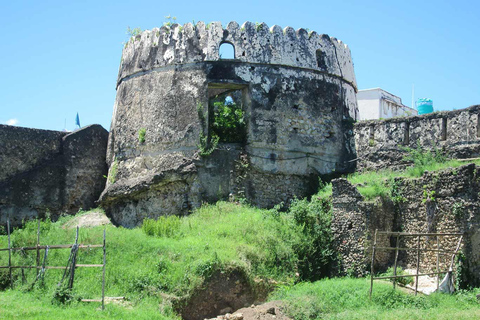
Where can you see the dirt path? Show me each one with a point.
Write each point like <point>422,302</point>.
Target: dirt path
<point>90,219</point>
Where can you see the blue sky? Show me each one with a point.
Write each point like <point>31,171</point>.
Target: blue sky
<point>61,57</point>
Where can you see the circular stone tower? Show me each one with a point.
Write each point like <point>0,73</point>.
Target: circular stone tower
<point>173,143</point>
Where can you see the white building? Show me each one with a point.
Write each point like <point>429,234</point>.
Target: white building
<point>379,104</point>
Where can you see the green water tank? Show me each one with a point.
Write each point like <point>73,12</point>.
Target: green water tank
<point>424,106</point>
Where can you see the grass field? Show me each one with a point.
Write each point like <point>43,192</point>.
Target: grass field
<point>146,268</point>
<point>347,298</point>
<point>152,271</point>
<point>165,261</point>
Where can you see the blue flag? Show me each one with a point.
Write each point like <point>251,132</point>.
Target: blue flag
<point>77,121</point>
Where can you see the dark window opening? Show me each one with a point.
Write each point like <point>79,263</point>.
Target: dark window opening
<point>321,59</point>
<point>243,54</point>
<point>406,135</point>
<point>371,138</point>
<point>444,129</point>
<point>226,51</point>
<point>372,132</point>
<point>226,113</point>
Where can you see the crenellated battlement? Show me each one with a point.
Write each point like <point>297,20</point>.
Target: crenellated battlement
<point>253,43</point>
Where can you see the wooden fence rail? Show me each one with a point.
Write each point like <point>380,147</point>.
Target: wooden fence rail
<point>39,247</point>
<point>418,249</point>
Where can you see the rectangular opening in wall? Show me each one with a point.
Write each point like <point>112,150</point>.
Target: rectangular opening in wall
<point>444,129</point>
<point>226,112</point>
<point>406,134</point>
<point>371,133</point>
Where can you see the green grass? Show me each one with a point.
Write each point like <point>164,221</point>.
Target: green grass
<point>139,266</point>
<point>347,298</point>
<point>373,184</point>
<point>153,272</point>
<point>15,304</point>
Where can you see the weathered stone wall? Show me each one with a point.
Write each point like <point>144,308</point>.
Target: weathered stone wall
<point>298,95</point>
<point>444,202</point>
<point>51,171</point>
<point>22,149</point>
<point>354,222</point>
<point>379,142</point>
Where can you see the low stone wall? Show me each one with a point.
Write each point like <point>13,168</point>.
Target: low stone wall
<point>52,171</point>
<point>443,202</point>
<point>381,143</point>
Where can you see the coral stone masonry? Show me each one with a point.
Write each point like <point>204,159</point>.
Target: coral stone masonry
<point>297,94</point>
<point>43,171</point>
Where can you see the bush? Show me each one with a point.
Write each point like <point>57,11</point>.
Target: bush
<point>403,281</point>
<point>423,159</point>
<point>316,253</point>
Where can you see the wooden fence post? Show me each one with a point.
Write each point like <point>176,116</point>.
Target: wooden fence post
<point>38,243</point>
<point>418,264</point>
<point>438,262</point>
<point>9,254</point>
<point>395,265</point>
<point>74,262</point>
<point>373,260</point>
<point>104,265</point>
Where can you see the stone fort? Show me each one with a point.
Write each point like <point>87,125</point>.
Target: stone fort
<point>297,93</point>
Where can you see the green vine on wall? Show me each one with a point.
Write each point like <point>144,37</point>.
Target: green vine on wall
<point>112,176</point>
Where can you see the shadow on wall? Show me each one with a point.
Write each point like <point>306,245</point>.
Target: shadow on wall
<point>49,171</point>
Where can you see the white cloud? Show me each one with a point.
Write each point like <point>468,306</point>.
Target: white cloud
<point>12,122</point>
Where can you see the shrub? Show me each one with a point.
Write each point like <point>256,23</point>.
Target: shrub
<point>314,217</point>
<point>403,281</point>
<point>423,159</point>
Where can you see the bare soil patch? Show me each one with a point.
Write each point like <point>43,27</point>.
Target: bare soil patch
<point>88,220</point>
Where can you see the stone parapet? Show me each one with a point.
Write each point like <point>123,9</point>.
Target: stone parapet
<point>253,43</point>
<point>381,143</point>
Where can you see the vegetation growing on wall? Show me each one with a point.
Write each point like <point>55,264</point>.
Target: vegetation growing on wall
<point>141,135</point>
<point>226,124</point>
<point>112,175</point>
<point>229,121</point>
